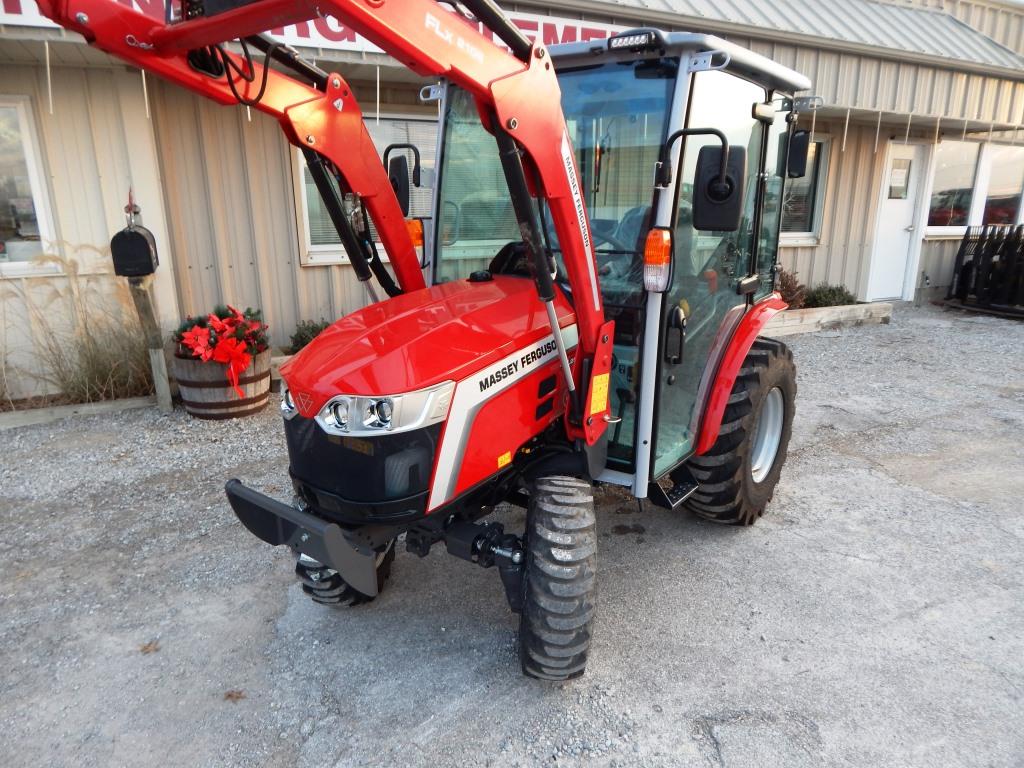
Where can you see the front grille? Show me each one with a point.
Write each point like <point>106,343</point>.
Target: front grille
<point>367,470</point>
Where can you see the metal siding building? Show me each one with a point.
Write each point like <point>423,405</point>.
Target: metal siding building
<point>223,193</point>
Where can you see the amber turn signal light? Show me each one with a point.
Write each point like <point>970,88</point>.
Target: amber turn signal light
<point>657,260</point>
<point>415,229</point>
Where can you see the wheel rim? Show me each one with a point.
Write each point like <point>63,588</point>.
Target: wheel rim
<point>768,435</point>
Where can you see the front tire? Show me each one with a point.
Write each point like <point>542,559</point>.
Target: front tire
<point>558,581</point>
<point>325,586</point>
<point>738,475</point>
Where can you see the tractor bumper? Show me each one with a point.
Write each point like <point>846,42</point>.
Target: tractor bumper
<point>277,523</point>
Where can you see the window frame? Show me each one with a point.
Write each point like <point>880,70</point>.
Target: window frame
<point>987,149</point>
<point>37,180</point>
<point>311,255</point>
<point>979,191</point>
<point>812,236</point>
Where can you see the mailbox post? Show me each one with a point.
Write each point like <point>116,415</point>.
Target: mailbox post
<point>133,250</point>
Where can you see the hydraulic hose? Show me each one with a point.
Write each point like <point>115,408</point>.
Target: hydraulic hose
<point>332,202</point>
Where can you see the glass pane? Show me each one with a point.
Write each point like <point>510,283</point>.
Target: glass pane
<point>899,178</point>
<point>20,239</point>
<point>1005,185</point>
<point>475,216</point>
<point>800,204</point>
<point>617,116</point>
<point>708,264</point>
<point>422,133</point>
<point>771,215</point>
<point>953,187</point>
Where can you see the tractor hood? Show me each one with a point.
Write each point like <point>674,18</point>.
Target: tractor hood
<point>445,332</point>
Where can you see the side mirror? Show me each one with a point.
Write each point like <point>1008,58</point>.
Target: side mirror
<point>398,172</point>
<point>398,175</point>
<point>718,202</point>
<point>799,148</point>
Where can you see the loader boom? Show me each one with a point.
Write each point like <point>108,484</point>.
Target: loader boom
<point>516,91</point>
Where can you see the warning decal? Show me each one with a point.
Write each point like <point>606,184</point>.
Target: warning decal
<point>599,394</point>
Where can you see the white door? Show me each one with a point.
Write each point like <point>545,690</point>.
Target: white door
<point>897,222</point>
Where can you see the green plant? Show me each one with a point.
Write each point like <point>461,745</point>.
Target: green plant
<point>306,331</point>
<point>225,325</point>
<point>825,295</point>
<point>793,291</point>
<point>5,395</point>
<point>89,350</point>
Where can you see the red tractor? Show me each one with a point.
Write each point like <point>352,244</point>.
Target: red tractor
<point>599,266</point>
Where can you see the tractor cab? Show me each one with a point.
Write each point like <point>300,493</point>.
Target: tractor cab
<point>681,253</point>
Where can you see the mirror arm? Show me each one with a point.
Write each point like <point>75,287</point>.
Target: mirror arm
<point>415,159</point>
<point>663,170</point>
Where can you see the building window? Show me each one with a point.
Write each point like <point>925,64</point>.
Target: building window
<point>975,184</point>
<point>25,230</point>
<point>956,164</point>
<point>802,204</point>
<point>322,245</point>
<point>1006,183</point>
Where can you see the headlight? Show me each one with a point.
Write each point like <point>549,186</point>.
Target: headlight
<point>336,414</point>
<point>353,415</point>
<point>288,409</point>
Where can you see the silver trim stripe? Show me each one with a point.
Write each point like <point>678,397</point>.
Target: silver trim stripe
<point>470,396</point>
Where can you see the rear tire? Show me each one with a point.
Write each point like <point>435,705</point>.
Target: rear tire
<point>325,586</point>
<point>738,475</point>
<point>558,581</point>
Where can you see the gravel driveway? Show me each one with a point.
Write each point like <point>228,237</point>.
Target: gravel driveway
<point>875,616</point>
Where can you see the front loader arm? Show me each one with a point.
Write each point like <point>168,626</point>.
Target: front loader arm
<point>328,121</point>
<point>517,95</point>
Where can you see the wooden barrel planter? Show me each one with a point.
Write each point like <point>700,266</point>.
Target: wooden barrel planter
<point>206,394</point>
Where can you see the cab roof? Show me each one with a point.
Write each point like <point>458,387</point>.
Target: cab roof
<point>728,56</point>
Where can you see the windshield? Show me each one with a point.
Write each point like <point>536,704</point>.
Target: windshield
<point>616,116</point>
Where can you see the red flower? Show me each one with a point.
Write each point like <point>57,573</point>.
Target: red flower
<point>198,342</point>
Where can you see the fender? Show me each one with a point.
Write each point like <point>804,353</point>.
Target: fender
<point>742,340</point>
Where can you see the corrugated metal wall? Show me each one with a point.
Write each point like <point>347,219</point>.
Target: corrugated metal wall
<point>94,146</point>
<point>861,82</point>
<point>848,221</point>
<point>231,211</point>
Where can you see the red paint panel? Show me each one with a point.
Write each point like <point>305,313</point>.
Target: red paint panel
<point>504,423</point>
<point>445,332</point>
<point>742,340</point>
<point>598,401</point>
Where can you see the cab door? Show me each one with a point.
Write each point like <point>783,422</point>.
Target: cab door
<point>703,304</point>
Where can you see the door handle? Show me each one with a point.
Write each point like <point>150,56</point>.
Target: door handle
<point>909,228</point>
<point>676,322</point>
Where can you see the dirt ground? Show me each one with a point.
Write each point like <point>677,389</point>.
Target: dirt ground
<point>872,618</point>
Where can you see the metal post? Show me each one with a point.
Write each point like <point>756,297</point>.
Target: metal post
<point>846,127</point>
<point>49,75</point>
<point>145,94</point>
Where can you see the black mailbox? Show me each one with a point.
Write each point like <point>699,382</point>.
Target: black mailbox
<point>134,252</point>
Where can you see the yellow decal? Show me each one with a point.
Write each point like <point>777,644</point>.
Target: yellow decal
<point>505,459</point>
<point>599,394</point>
<point>358,444</point>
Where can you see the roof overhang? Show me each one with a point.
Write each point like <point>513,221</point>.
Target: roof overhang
<point>641,16</point>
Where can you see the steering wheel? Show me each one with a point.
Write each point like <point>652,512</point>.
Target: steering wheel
<point>610,239</point>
